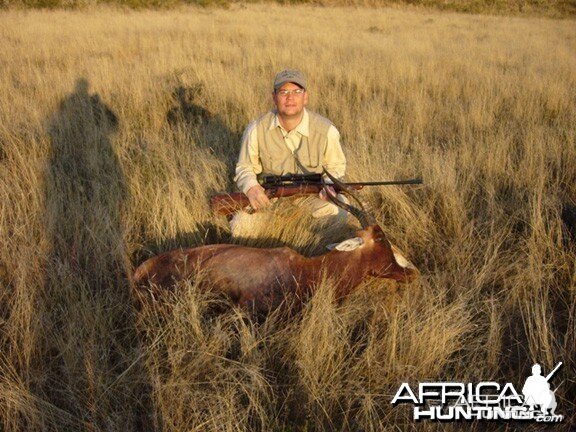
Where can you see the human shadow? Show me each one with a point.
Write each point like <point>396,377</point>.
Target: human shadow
<point>186,110</point>
<point>87,300</point>
<point>209,130</point>
<point>85,186</point>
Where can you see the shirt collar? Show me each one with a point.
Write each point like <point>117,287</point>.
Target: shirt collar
<point>303,127</point>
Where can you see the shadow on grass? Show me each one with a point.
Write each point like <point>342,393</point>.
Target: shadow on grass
<point>90,341</point>
<point>208,129</point>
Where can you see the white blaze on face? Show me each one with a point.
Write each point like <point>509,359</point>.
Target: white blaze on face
<point>346,245</point>
<point>401,259</point>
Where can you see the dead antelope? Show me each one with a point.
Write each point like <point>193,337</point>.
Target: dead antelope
<point>260,279</point>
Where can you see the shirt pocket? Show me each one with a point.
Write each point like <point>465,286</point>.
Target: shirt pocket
<point>309,155</point>
<point>280,164</point>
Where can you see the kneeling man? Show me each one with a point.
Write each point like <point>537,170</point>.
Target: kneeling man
<point>290,140</point>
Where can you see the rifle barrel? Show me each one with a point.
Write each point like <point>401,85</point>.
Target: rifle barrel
<point>280,186</point>
<point>553,371</point>
<point>385,183</point>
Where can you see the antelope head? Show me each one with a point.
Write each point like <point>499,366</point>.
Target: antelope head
<point>379,257</point>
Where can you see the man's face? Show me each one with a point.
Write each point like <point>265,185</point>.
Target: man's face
<point>292,104</point>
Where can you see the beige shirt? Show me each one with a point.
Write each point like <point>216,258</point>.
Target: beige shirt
<point>249,165</point>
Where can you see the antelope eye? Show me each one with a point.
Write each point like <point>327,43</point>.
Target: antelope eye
<point>379,239</point>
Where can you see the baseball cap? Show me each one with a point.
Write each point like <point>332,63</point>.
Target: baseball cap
<point>289,75</point>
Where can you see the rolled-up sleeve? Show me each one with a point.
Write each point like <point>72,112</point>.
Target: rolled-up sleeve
<point>334,158</point>
<point>248,165</point>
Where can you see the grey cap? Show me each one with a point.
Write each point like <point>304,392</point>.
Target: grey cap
<point>289,75</point>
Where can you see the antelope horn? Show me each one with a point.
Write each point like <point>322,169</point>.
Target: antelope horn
<point>363,214</point>
<point>356,212</point>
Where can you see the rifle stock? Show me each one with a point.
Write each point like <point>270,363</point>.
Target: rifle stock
<point>228,203</point>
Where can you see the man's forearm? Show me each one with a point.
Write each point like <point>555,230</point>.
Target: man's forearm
<point>334,158</point>
<point>248,165</point>
<point>245,178</point>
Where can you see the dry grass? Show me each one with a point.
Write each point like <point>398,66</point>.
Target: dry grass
<point>546,8</point>
<point>482,107</point>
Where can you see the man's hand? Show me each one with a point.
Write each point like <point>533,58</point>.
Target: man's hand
<point>323,195</point>
<point>257,196</point>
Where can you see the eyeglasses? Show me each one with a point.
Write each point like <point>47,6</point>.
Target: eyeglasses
<point>285,93</point>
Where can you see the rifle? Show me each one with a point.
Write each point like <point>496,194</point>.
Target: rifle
<point>553,371</point>
<point>287,186</point>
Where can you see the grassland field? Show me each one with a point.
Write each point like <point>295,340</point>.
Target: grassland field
<point>117,125</point>
<point>543,8</point>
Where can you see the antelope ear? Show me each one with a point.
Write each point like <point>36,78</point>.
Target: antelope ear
<point>403,270</point>
<point>401,259</point>
<point>347,245</point>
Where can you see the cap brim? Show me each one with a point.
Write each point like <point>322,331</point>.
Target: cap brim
<point>277,86</point>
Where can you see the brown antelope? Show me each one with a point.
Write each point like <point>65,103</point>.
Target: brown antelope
<point>260,279</point>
